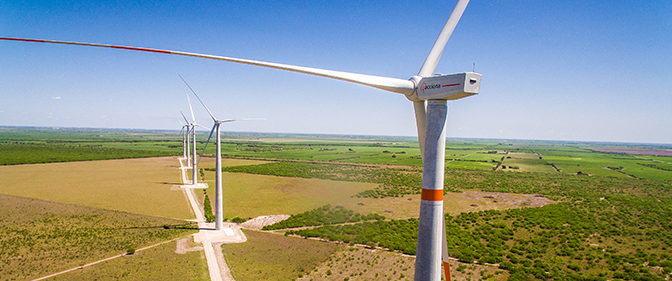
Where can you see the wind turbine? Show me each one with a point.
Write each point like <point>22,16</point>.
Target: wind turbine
<point>428,93</point>
<point>193,124</point>
<point>184,139</point>
<point>188,131</point>
<point>219,201</point>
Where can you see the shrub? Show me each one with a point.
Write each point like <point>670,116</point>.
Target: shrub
<point>238,220</point>
<point>207,209</point>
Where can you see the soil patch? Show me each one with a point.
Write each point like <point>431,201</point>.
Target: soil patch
<point>259,222</point>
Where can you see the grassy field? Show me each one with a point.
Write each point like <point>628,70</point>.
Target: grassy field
<point>247,195</point>
<point>604,228</point>
<point>526,162</point>
<point>270,257</point>
<point>38,237</point>
<point>209,163</point>
<point>610,217</point>
<point>141,186</point>
<point>355,263</point>
<point>158,263</point>
<point>408,206</point>
<point>14,153</point>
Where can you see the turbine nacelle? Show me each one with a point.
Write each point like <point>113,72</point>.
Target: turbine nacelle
<point>445,87</point>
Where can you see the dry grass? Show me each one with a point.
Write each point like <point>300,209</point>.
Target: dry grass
<point>39,237</point>
<point>408,206</point>
<point>158,263</point>
<point>267,256</point>
<point>354,263</point>
<point>248,195</point>
<point>141,186</point>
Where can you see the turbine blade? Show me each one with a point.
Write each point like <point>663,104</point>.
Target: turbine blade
<point>185,118</point>
<point>199,99</point>
<point>385,83</point>
<point>206,144</point>
<point>444,251</point>
<point>420,109</point>
<point>191,109</point>
<point>432,60</point>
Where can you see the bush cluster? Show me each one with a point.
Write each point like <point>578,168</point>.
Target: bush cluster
<point>324,215</point>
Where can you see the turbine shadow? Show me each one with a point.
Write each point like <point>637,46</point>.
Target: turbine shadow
<point>166,226</point>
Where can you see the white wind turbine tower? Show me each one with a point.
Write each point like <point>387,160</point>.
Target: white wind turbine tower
<point>188,130</point>
<point>184,133</point>
<point>219,200</point>
<point>193,124</point>
<point>428,93</point>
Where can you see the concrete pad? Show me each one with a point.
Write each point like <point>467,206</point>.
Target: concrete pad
<point>195,186</point>
<point>230,233</point>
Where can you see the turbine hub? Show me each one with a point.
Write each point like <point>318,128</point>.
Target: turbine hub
<point>413,96</point>
<point>445,87</point>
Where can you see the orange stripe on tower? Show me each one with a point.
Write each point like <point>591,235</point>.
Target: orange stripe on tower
<point>446,268</point>
<point>432,194</point>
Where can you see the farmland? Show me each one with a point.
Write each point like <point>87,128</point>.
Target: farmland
<point>141,186</point>
<point>517,210</point>
<point>143,266</point>
<point>274,257</point>
<point>249,195</point>
<point>40,237</point>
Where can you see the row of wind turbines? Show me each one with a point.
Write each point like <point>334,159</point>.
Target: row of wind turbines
<point>189,135</point>
<point>429,94</point>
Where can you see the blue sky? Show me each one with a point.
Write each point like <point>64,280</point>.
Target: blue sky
<point>561,70</point>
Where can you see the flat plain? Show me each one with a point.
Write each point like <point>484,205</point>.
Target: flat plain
<point>157,263</point>
<point>247,195</point>
<point>267,256</point>
<point>558,211</point>
<point>39,237</point>
<point>141,186</point>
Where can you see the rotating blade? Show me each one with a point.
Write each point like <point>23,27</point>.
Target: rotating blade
<point>395,85</point>
<point>199,99</point>
<point>206,144</point>
<point>432,59</point>
<point>185,118</point>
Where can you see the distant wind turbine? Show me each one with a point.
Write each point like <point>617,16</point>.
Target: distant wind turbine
<point>193,124</point>
<point>188,139</point>
<point>184,134</point>
<point>429,94</point>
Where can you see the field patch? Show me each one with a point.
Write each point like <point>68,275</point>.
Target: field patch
<point>248,195</point>
<point>354,263</point>
<point>209,162</point>
<point>408,206</point>
<point>158,263</point>
<point>39,237</point>
<point>14,153</point>
<point>267,256</point>
<point>141,186</point>
<point>634,151</point>
<point>525,162</point>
